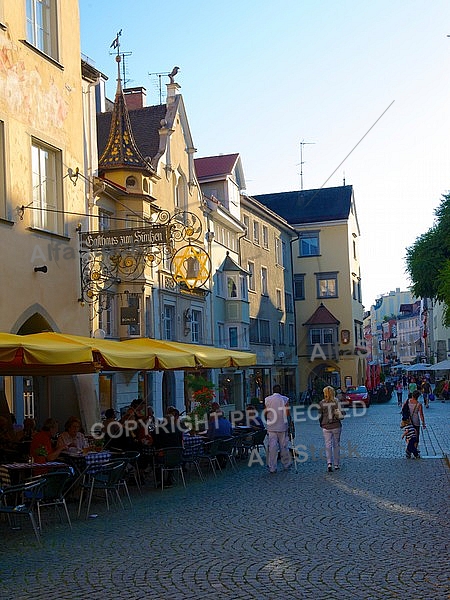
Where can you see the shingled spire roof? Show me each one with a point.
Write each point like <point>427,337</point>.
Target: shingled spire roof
<point>121,150</point>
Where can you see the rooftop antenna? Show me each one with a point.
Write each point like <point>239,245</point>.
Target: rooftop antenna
<point>302,143</point>
<point>160,76</point>
<point>115,45</point>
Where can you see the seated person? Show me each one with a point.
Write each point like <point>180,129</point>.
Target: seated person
<point>219,426</point>
<point>42,448</point>
<point>252,418</point>
<point>72,438</point>
<point>8,441</point>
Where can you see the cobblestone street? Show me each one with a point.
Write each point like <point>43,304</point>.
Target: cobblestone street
<point>377,529</point>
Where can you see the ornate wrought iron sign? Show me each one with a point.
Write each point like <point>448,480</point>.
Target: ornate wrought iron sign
<point>108,258</point>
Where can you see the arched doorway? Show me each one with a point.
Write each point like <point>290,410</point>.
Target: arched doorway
<point>44,396</point>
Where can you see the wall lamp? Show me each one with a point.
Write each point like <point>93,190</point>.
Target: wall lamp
<point>41,269</point>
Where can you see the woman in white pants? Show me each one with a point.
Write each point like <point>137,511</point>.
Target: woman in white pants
<point>330,419</point>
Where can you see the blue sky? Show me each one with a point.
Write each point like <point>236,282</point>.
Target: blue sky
<point>259,77</point>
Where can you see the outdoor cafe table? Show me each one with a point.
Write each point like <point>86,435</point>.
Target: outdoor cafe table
<point>84,464</point>
<point>193,445</point>
<point>18,471</point>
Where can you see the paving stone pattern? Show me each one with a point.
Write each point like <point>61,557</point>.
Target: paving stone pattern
<point>376,529</point>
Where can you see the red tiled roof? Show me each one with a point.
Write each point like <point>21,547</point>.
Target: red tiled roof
<point>215,165</point>
<point>322,316</point>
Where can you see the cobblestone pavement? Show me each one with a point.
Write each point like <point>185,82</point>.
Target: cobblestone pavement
<point>376,529</point>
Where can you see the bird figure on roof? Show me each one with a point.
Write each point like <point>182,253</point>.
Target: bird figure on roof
<point>173,73</point>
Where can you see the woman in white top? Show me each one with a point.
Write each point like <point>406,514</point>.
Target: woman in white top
<point>330,417</point>
<point>72,438</point>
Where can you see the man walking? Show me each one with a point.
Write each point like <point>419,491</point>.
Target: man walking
<point>276,413</point>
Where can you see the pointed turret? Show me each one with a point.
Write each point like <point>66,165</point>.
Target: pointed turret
<point>121,151</point>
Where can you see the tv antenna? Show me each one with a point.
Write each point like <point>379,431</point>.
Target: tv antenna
<point>160,76</point>
<point>302,143</point>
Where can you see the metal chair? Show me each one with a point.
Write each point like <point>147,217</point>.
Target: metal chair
<point>108,478</point>
<point>132,457</point>
<point>170,460</point>
<point>210,450</point>
<point>226,450</point>
<point>20,501</point>
<point>56,483</point>
<point>193,457</point>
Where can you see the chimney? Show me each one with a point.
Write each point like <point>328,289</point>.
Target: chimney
<point>135,97</point>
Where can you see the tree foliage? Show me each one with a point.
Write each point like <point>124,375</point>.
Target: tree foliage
<point>428,260</point>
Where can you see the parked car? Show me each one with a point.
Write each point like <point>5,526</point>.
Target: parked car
<point>355,395</point>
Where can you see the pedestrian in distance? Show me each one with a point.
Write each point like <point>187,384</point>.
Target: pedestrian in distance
<point>276,413</point>
<point>410,436</point>
<point>330,419</point>
<point>426,391</point>
<point>412,410</point>
<point>399,390</point>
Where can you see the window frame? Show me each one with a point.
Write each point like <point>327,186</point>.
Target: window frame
<point>299,281</point>
<point>264,281</point>
<point>42,35</point>
<point>331,276</point>
<point>41,180</point>
<point>303,237</point>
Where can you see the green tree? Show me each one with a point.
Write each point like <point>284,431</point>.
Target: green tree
<point>428,260</point>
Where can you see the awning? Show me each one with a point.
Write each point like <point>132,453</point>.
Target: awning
<point>57,354</point>
<point>444,365</point>
<point>43,354</point>
<point>210,357</point>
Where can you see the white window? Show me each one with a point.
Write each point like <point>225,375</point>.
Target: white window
<point>278,251</point>
<point>104,220</point>
<point>278,294</point>
<point>105,315</point>
<point>251,275</point>
<point>255,232</point>
<point>247,226</point>
<point>264,288</point>
<point>47,188</point>
<point>169,322</point>
<point>41,26</point>
<point>196,326</point>
<point>265,237</point>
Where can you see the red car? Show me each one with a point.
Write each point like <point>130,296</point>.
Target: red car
<point>357,395</point>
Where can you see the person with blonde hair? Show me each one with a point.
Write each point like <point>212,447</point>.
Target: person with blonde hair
<point>330,417</point>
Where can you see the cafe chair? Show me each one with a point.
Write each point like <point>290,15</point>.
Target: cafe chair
<point>192,456</point>
<point>107,478</point>
<point>210,450</point>
<point>53,492</point>
<point>258,439</point>
<point>132,457</point>
<point>170,460</point>
<point>20,501</point>
<point>226,450</point>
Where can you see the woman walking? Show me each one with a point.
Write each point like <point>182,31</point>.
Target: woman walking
<point>330,417</point>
